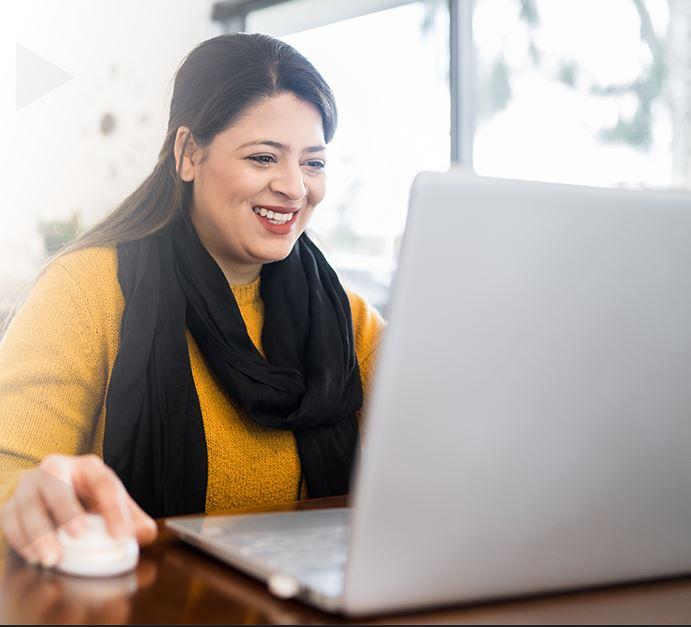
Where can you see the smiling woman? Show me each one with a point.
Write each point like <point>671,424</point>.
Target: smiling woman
<point>194,351</point>
<point>234,182</point>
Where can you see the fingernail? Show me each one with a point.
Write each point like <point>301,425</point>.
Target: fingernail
<point>50,558</point>
<point>31,559</point>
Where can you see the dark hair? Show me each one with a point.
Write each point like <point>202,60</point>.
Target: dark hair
<point>214,85</point>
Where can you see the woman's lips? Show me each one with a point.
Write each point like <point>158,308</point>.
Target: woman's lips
<point>276,227</point>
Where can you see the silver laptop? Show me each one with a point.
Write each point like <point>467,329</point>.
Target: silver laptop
<point>530,425</point>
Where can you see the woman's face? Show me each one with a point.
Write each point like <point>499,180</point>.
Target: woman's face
<point>264,161</point>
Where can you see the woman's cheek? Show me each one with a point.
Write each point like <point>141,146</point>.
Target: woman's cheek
<point>319,194</point>
<point>306,217</point>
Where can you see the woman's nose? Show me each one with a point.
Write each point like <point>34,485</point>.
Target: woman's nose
<point>289,183</point>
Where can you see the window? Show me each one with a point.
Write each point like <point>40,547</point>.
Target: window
<point>583,92</point>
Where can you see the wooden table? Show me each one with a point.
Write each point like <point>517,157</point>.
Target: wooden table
<point>175,583</point>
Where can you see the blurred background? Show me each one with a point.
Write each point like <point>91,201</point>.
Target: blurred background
<point>594,92</point>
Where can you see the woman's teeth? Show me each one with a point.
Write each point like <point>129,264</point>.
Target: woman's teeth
<point>274,217</point>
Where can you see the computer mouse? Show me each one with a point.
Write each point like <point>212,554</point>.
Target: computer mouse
<point>95,553</point>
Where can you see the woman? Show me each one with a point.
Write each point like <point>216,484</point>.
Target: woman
<point>194,351</point>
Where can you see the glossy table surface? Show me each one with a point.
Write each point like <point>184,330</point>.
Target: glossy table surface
<point>175,583</point>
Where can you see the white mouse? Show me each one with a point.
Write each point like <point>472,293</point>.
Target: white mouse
<point>95,553</point>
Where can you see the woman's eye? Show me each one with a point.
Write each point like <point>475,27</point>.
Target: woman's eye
<point>261,158</point>
<point>266,159</point>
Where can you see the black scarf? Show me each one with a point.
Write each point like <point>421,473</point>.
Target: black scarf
<point>309,381</point>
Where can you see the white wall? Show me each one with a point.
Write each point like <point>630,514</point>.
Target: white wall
<point>55,160</point>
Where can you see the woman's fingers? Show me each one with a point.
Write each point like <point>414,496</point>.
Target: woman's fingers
<point>14,533</point>
<point>35,520</point>
<point>99,487</point>
<point>145,526</point>
<point>58,493</point>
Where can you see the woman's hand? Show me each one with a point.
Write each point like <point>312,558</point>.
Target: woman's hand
<point>58,493</point>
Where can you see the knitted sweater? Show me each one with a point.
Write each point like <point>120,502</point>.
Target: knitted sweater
<point>55,364</point>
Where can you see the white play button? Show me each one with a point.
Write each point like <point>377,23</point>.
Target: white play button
<point>36,76</point>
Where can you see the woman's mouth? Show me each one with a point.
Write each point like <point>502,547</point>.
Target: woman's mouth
<point>276,222</point>
<point>274,217</point>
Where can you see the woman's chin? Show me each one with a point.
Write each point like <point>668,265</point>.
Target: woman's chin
<point>276,252</point>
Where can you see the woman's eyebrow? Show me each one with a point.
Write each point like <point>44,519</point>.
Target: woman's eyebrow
<point>280,146</point>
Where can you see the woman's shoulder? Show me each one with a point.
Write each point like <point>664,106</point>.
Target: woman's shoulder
<point>75,299</point>
<point>367,324</point>
<point>90,275</point>
<point>89,263</point>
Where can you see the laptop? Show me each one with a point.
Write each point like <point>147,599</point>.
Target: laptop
<point>529,429</point>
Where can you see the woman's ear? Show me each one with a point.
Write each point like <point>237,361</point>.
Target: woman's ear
<point>190,161</point>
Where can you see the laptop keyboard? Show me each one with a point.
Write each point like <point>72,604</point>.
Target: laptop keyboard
<point>295,551</point>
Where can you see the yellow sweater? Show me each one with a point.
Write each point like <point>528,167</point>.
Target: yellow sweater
<point>55,364</point>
